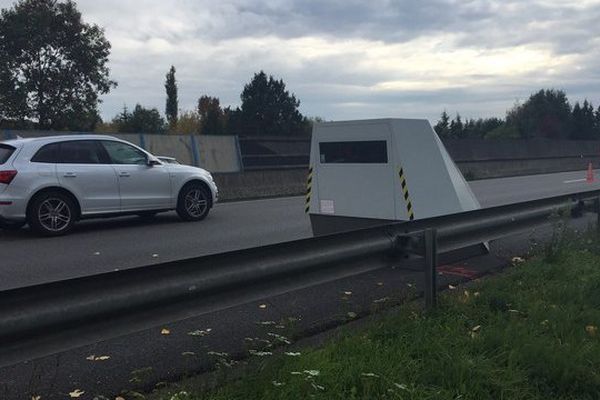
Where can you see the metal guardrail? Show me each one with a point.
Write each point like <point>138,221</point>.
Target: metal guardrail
<point>52,317</point>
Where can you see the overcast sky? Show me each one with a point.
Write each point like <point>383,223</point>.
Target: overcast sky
<point>349,59</point>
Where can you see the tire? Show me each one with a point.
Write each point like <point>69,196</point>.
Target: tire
<point>11,225</point>
<point>193,203</point>
<point>52,214</point>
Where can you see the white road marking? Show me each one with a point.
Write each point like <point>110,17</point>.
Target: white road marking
<point>576,180</point>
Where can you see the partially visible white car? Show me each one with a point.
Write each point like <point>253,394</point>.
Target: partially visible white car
<point>51,182</point>
<point>168,160</point>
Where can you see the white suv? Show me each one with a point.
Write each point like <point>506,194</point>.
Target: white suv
<point>51,182</point>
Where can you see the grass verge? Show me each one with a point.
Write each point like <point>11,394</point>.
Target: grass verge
<point>530,333</point>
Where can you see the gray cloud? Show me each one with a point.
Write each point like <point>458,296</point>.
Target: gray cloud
<point>353,59</point>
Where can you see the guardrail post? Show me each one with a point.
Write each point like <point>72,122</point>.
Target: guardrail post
<point>431,261</point>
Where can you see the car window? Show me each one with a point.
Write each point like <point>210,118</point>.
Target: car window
<point>5,152</point>
<point>122,153</point>
<point>79,152</point>
<point>47,154</point>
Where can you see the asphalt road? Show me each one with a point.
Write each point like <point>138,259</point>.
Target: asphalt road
<point>97,246</point>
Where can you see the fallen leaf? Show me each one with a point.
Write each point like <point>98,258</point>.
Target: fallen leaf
<point>188,353</point>
<point>351,315</point>
<point>382,300</point>
<point>119,398</point>
<point>279,337</point>
<point>214,353</point>
<point>518,260</point>
<point>291,354</point>
<point>317,387</point>
<point>267,323</point>
<point>370,375</point>
<point>200,332</point>
<point>154,255</point>
<point>76,393</point>
<point>263,306</point>
<point>476,328</point>
<point>99,358</point>
<point>592,330</point>
<point>97,253</point>
<point>348,293</point>
<point>476,294</point>
<point>165,331</point>
<point>277,384</point>
<point>379,283</point>
<point>312,372</point>
<point>260,353</point>
<point>401,386</point>
<point>36,397</point>
<point>451,287</point>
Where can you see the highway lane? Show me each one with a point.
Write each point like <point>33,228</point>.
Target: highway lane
<point>104,245</point>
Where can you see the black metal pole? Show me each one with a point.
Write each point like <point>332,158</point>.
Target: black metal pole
<point>431,261</point>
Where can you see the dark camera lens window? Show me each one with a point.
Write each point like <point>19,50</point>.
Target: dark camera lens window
<point>361,152</point>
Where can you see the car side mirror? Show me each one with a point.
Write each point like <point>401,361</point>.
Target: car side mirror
<point>152,162</point>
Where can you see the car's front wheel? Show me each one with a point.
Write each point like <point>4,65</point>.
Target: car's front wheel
<point>52,214</point>
<point>193,203</point>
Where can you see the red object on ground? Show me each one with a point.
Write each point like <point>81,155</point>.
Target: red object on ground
<point>590,174</point>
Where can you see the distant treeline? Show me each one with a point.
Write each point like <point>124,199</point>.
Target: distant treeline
<point>547,114</point>
<point>267,108</point>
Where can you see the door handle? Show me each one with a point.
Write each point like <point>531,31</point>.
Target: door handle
<point>70,175</point>
<point>124,174</point>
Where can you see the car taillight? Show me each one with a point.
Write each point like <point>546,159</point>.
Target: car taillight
<point>6,177</point>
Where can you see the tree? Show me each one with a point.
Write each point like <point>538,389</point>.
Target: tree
<point>443,125</point>
<point>232,121</point>
<point>53,66</point>
<point>269,109</point>
<point>456,127</point>
<point>187,123</point>
<point>141,120</point>
<point>546,113</point>
<point>211,115</point>
<point>504,131</point>
<point>480,127</point>
<point>583,122</point>
<point>597,122</point>
<point>171,108</point>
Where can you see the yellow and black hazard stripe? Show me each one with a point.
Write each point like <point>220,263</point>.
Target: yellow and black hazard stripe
<point>309,180</point>
<point>409,207</point>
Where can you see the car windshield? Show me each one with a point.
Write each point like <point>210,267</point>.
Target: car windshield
<point>5,152</point>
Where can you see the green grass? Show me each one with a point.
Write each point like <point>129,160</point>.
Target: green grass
<point>520,335</point>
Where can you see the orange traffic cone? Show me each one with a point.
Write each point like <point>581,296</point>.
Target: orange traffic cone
<point>590,174</point>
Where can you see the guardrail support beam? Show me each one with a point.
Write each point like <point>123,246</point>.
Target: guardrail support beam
<point>431,261</point>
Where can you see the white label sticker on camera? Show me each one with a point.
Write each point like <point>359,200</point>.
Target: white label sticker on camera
<point>327,207</point>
